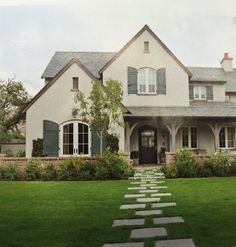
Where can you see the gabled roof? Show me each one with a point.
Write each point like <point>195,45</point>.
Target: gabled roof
<point>57,76</point>
<point>198,109</point>
<point>145,28</point>
<point>93,61</point>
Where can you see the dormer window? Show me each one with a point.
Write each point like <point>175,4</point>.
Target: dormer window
<point>146,47</point>
<point>199,93</point>
<point>147,80</point>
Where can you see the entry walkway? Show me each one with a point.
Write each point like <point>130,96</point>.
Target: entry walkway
<point>143,190</point>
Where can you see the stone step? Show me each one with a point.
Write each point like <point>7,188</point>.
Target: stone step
<point>159,187</point>
<point>161,194</point>
<point>136,244</point>
<point>148,191</point>
<point>163,204</point>
<point>137,188</point>
<point>132,206</point>
<point>134,195</point>
<point>168,220</point>
<point>175,243</point>
<point>148,232</point>
<point>128,222</point>
<point>148,199</point>
<point>148,212</point>
<point>137,182</point>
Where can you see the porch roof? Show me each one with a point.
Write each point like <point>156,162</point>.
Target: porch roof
<point>199,109</point>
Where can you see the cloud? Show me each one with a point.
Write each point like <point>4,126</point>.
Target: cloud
<point>31,2</point>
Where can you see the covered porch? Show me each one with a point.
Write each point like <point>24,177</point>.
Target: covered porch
<point>149,139</point>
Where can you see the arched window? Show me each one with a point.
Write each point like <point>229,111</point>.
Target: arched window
<point>147,80</point>
<point>75,139</point>
<point>226,137</point>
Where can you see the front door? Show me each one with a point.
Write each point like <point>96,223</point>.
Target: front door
<point>147,145</point>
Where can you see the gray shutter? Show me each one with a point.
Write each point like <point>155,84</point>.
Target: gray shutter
<point>95,143</point>
<point>191,92</point>
<point>132,80</point>
<point>50,138</point>
<point>209,92</point>
<point>161,81</point>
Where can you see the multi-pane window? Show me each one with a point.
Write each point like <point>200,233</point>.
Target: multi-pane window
<point>83,139</point>
<point>226,137</point>
<point>189,137</point>
<point>148,138</point>
<point>146,80</point>
<point>199,92</point>
<point>68,138</point>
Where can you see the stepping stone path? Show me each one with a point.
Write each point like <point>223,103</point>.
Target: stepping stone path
<point>144,190</point>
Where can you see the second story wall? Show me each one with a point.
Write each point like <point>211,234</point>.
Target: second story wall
<point>147,52</point>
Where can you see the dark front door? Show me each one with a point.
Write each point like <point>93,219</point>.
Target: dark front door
<point>147,145</point>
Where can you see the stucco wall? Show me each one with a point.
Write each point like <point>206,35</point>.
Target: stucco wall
<point>56,105</point>
<point>177,93</point>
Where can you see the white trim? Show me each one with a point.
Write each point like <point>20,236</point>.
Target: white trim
<point>199,89</point>
<point>146,80</point>
<point>75,138</point>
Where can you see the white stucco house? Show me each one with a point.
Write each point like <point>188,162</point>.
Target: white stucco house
<point>169,106</point>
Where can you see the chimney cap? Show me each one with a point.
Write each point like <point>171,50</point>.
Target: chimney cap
<point>226,57</point>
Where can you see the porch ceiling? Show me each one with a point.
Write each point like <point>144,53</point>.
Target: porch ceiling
<point>195,110</point>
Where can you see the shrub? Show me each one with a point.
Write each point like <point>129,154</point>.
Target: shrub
<point>49,172</point>
<point>205,168</point>
<point>112,143</point>
<point>170,171</point>
<point>87,171</point>
<point>68,169</point>
<point>186,163</point>
<point>33,170</point>
<point>20,153</point>
<point>220,162</point>
<point>37,148</point>
<point>9,153</point>
<point>9,172</point>
<point>117,167</point>
<point>232,168</point>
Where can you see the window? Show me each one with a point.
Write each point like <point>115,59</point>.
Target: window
<point>226,137</point>
<point>75,138</point>
<point>75,83</point>
<point>148,138</point>
<point>189,137</point>
<point>146,80</point>
<point>146,47</point>
<point>199,93</point>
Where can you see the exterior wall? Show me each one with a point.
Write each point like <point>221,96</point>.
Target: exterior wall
<point>15,148</point>
<point>177,93</point>
<point>219,92</point>
<point>56,105</point>
<point>232,97</point>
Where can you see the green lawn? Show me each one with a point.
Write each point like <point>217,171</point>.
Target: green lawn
<point>80,214</point>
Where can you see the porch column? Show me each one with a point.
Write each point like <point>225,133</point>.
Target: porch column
<point>127,137</point>
<point>173,129</point>
<point>216,130</point>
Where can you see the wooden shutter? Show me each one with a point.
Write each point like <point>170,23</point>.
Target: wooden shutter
<point>209,92</point>
<point>191,92</point>
<point>95,143</point>
<point>161,81</point>
<point>50,138</point>
<point>132,80</point>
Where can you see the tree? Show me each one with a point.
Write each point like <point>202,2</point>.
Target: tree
<point>103,107</point>
<point>13,98</point>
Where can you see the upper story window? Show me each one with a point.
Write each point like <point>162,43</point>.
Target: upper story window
<point>199,93</point>
<point>226,137</point>
<point>189,137</point>
<point>146,47</point>
<point>147,80</point>
<point>75,83</point>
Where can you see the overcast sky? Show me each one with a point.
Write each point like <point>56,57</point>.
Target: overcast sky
<point>198,32</point>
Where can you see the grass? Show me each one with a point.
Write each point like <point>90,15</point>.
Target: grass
<point>43,214</point>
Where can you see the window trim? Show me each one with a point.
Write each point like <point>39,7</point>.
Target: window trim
<point>226,138</point>
<point>75,139</point>
<point>146,82</point>
<point>189,137</point>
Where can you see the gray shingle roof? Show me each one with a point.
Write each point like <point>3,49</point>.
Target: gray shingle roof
<point>94,61</point>
<point>200,109</point>
<point>214,74</point>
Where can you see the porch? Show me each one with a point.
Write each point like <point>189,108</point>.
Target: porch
<point>152,139</point>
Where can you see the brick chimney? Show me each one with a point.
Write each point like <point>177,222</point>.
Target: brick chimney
<point>227,63</point>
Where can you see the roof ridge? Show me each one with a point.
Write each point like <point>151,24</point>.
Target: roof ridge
<point>85,52</point>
